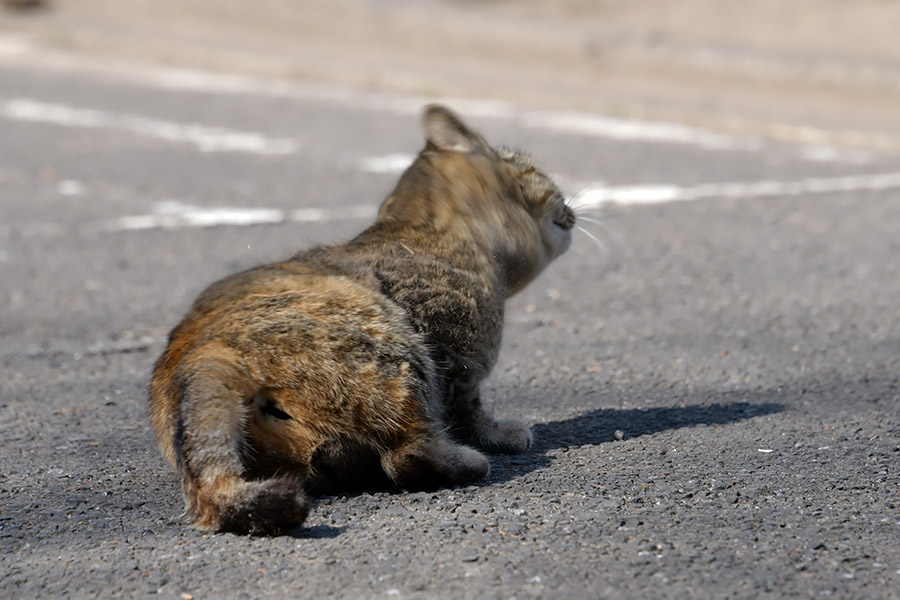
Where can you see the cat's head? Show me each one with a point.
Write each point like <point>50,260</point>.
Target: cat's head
<point>462,187</point>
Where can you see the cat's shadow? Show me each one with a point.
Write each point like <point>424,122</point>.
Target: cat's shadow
<point>592,428</point>
<point>607,425</point>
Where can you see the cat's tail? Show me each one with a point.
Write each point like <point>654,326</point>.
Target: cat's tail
<point>210,439</point>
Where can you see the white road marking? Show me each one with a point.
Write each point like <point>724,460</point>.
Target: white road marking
<point>70,187</point>
<point>813,143</point>
<point>204,138</point>
<point>824,153</point>
<point>389,163</point>
<point>313,215</point>
<point>177,215</point>
<point>600,194</point>
<point>569,122</point>
<point>633,130</point>
<point>21,50</point>
<point>572,122</point>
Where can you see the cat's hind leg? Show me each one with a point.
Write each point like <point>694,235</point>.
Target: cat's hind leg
<point>211,438</point>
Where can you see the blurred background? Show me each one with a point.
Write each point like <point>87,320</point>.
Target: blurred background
<point>810,71</point>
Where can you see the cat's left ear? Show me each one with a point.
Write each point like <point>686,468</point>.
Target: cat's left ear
<point>447,131</point>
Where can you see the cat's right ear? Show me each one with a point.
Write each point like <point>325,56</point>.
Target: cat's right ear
<point>447,131</point>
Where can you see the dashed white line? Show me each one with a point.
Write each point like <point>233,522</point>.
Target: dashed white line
<point>178,215</point>
<point>70,187</point>
<point>825,153</point>
<point>313,215</point>
<point>203,137</point>
<point>598,195</point>
<point>814,143</point>
<point>626,129</point>
<point>389,163</point>
<point>571,122</point>
<point>18,49</point>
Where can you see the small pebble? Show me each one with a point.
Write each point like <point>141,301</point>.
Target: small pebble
<point>619,435</point>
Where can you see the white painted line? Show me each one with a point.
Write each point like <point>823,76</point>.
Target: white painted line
<point>389,163</point>
<point>824,153</point>
<point>571,122</point>
<point>204,138</point>
<point>70,187</point>
<point>177,215</point>
<point>18,49</point>
<point>313,215</point>
<point>599,195</point>
<point>632,130</point>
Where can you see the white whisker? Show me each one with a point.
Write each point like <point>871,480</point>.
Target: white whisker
<point>572,201</point>
<point>575,206</point>
<point>603,228</point>
<point>595,239</point>
<point>583,211</point>
<point>589,220</point>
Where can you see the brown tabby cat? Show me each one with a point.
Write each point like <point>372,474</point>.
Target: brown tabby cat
<point>310,371</point>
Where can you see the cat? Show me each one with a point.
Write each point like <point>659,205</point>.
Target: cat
<point>290,376</point>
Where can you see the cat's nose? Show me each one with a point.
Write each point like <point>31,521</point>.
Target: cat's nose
<point>567,221</point>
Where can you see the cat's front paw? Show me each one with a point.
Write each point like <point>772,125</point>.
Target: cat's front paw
<point>510,437</point>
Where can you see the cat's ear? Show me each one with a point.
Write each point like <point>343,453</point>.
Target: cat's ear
<point>447,131</point>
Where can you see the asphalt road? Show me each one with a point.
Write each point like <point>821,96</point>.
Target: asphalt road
<point>714,389</point>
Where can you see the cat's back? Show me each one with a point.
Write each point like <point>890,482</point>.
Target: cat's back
<point>249,311</point>
<point>316,324</point>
